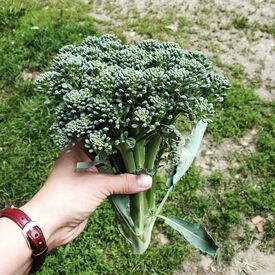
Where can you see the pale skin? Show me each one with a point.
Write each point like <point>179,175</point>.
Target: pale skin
<point>62,207</point>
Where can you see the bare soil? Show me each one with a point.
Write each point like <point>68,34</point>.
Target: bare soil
<point>213,157</point>
<point>251,261</point>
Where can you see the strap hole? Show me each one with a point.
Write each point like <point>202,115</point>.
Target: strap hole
<point>36,235</point>
<point>22,218</point>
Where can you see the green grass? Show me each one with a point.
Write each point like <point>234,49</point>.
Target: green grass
<point>224,205</point>
<point>9,17</point>
<point>36,38</point>
<point>268,243</point>
<point>240,111</point>
<point>242,23</point>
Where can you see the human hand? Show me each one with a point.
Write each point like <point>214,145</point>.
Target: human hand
<point>65,202</point>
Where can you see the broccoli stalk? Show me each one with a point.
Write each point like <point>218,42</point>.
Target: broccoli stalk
<point>142,205</point>
<point>122,102</point>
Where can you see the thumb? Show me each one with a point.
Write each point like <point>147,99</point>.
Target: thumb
<point>128,183</point>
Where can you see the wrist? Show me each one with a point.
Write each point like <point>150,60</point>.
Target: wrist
<point>12,260</point>
<point>40,215</point>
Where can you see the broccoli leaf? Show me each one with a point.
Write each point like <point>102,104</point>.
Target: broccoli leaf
<point>187,155</point>
<point>83,166</point>
<point>121,204</point>
<point>195,234</point>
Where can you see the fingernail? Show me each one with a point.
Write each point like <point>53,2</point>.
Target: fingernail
<point>144,181</point>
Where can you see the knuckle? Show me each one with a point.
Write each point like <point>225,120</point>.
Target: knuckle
<point>108,188</point>
<point>127,180</point>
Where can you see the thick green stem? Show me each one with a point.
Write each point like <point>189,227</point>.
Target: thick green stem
<point>139,211</point>
<point>152,149</point>
<point>139,154</point>
<point>142,205</point>
<point>138,203</point>
<point>128,159</point>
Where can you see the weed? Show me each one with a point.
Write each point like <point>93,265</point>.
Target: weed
<point>240,22</point>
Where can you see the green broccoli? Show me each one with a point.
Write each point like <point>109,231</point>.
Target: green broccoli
<point>122,102</point>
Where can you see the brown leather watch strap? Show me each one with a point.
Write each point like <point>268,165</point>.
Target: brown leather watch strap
<point>32,233</point>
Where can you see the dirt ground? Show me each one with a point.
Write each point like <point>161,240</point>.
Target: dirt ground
<point>251,261</point>
<point>213,157</point>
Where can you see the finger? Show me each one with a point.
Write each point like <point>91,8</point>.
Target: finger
<point>127,183</point>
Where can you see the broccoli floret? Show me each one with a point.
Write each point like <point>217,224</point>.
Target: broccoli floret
<point>125,87</point>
